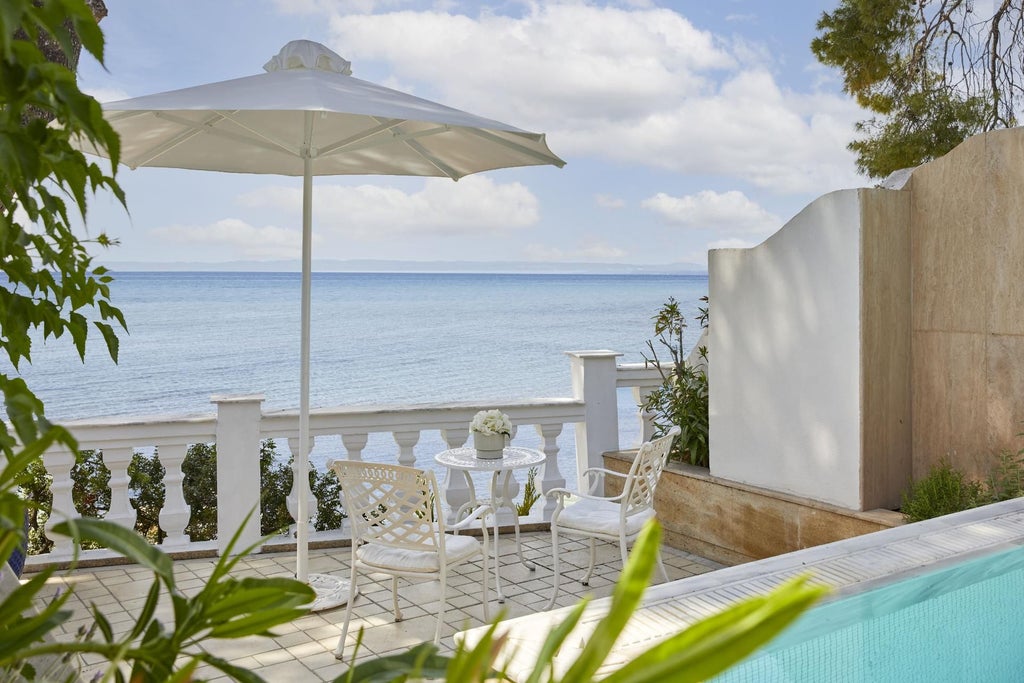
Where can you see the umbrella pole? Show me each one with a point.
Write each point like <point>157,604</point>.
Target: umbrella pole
<point>302,458</point>
<point>331,591</point>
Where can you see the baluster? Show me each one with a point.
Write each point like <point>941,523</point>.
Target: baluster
<point>406,442</point>
<point>505,515</point>
<point>59,462</point>
<point>552,477</point>
<point>121,511</point>
<point>354,445</point>
<point>301,479</point>
<point>175,514</point>
<point>640,394</point>
<point>454,488</point>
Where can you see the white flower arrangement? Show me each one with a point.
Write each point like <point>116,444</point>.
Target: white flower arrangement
<point>491,422</point>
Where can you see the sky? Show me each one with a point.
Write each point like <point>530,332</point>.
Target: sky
<point>686,126</point>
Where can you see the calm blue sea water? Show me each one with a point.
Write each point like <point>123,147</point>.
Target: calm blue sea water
<point>376,338</point>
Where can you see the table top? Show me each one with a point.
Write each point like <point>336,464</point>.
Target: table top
<point>513,458</point>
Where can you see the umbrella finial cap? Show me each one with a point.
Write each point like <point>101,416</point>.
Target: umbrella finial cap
<point>306,54</point>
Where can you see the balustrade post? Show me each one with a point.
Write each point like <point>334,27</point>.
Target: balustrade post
<point>175,514</point>
<point>593,382</point>
<point>406,443</point>
<point>354,445</point>
<point>552,475</point>
<point>121,511</point>
<point>640,394</point>
<point>59,461</point>
<point>238,468</point>
<point>454,488</point>
<point>301,479</point>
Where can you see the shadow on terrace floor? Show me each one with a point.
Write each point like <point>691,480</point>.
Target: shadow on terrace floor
<point>303,649</point>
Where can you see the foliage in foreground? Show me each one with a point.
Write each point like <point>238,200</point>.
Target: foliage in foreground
<point>50,291</point>
<point>701,651</point>
<point>225,608</point>
<point>682,398</point>
<point>933,72</point>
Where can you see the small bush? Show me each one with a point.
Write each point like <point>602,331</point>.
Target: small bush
<point>1006,481</point>
<point>682,398</point>
<point>943,491</point>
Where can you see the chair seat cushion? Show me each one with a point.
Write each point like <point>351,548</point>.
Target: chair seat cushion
<point>602,517</point>
<point>460,548</point>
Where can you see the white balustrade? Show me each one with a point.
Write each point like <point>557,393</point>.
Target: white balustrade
<point>240,424</point>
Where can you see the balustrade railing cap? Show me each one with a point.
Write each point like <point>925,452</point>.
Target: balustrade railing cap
<point>237,398</point>
<point>599,353</point>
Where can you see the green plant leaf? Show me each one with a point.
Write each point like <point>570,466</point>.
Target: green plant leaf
<point>554,640</point>
<point>636,575</point>
<point>121,540</point>
<point>711,646</point>
<point>421,661</point>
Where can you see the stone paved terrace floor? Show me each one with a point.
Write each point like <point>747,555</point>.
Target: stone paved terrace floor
<point>303,649</point>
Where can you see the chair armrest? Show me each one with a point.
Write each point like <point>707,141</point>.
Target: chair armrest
<point>566,493</point>
<point>590,475</point>
<point>479,513</point>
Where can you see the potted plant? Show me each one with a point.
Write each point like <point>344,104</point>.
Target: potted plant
<point>491,431</point>
<point>682,398</point>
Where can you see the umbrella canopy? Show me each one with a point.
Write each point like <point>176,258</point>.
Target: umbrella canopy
<point>308,116</point>
<point>307,105</point>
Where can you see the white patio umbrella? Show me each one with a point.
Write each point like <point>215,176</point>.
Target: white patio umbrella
<point>308,116</point>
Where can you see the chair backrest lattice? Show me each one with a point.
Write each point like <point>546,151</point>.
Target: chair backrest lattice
<point>391,505</point>
<point>644,474</point>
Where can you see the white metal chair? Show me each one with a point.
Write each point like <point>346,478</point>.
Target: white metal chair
<point>398,529</point>
<point>617,518</point>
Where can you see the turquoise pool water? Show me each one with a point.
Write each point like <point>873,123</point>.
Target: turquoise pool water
<point>964,622</point>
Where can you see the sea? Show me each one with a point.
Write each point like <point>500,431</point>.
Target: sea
<point>376,338</point>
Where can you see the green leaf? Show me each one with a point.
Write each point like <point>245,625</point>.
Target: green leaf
<point>421,661</point>
<point>636,575</point>
<point>713,645</point>
<point>236,672</point>
<point>121,540</point>
<point>555,639</point>
<point>110,338</point>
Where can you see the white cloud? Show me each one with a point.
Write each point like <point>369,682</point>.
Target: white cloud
<point>475,204</point>
<point>242,239</point>
<point>641,86</point>
<point>557,60</point>
<point>729,211</point>
<point>593,251</point>
<point>607,201</point>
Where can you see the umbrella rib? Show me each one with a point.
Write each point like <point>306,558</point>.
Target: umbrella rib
<point>433,160</point>
<point>344,145</point>
<point>271,143</point>
<point>397,136</point>
<point>192,130</point>
<point>511,144</point>
<point>207,127</point>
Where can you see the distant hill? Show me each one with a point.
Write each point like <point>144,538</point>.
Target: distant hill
<point>385,266</point>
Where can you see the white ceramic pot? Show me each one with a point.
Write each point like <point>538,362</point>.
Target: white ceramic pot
<point>489,446</point>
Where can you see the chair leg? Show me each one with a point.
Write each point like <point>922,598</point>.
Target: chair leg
<point>483,581</point>
<point>593,561</point>
<point>339,651</point>
<point>442,608</point>
<point>623,550</point>
<point>394,597</point>
<point>554,567</point>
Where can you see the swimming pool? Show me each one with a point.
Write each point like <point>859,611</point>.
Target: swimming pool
<point>963,622</point>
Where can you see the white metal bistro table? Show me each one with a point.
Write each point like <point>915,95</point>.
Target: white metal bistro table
<point>513,458</point>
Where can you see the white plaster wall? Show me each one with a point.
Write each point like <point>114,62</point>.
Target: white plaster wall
<point>785,360</point>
